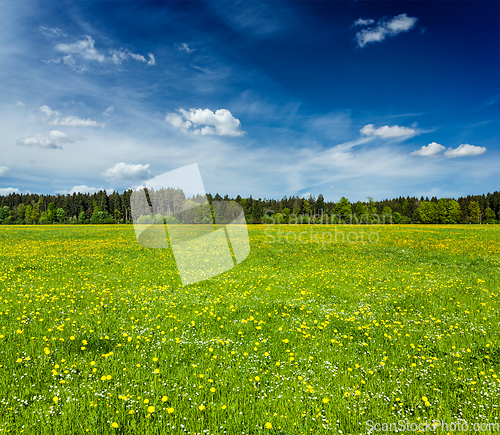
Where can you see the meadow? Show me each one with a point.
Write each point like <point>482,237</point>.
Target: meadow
<point>98,336</point>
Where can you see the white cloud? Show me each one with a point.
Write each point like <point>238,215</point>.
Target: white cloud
<point>20,104</point>
<point>431,150</point>
<point>54,140</point>
<point>118,56</point>
<point>51,31</point>
<point>123,171</point>
<point>84,189</point>
<point>362,22</point>
<point>108,111</point>
<point>52,118</point>
<point>185,47</point>
<point>205,122</point>
<point>386,132</point>
<point>4,170</point>
<point>68,60</point>
<point>464,150</point>
<point>8,190</point>
<point>398,24</point>
<point>86,49</point>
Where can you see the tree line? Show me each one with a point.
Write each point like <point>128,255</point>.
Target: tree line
<point>101,208</point>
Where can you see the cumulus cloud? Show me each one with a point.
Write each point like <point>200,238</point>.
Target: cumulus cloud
<point>51,31</point>
<point>185,47</point>
<point>392,27</point>
<point>464,150</point>
<point>54,140</point>
<point>52,117</point>
<point>123,171</point>
<point>8,190</point>
<point>85,48</point>
<point>205,122</point>
<point>362,22</point>
<point>386,132</point>
<point>84,189</point>
<point>108,111</point>
<point>4,170</point>
<point>431,150</point>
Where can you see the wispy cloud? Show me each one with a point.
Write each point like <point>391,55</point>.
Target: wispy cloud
<point>388,132</point>
<point>52,117</point>
<point>51,32</point>
<point>4,170</point>
<point>86,50</point>
<point>384,28</point>
<point>124,171</point>
<point>54,140</point>
<point>362,22</point>
<point>108,111</point>
<point>205,122</point>
<point>185,47</point>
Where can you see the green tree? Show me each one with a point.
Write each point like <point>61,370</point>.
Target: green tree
<point>428,213</point>
<point>35,213</point>
<point>305,207</point>
<point>343,207</point>
<point>4,214</point>
<point>360,209</point>
<point>51,213</point>
<point>27,214</point>
<point>387,214</point>
<point>453,212</point>
<point>60,215</point>
<point>81,217</point>
<point>489,216</point>
<point>474,212</point>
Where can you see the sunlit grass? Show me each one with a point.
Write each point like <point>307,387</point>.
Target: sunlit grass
<point>98,335</point>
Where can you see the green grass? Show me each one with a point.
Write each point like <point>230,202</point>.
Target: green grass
<point>310,337</point>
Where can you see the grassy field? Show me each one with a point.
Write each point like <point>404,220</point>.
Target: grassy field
<point>98,336</point>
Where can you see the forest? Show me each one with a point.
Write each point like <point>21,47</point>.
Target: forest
<point>115,208</point>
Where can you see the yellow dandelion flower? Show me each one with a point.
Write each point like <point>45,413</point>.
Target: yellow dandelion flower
<point>268,425</point>
<point>151,409</point>
<point>114,424</point>
<point>325,400</point>
<point>164,398</point>
<point>201,407</point>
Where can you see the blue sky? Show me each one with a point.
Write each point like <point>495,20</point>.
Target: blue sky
<point>355,99</point>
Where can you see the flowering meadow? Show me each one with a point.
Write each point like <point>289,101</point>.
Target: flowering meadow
<point>98,336</point>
